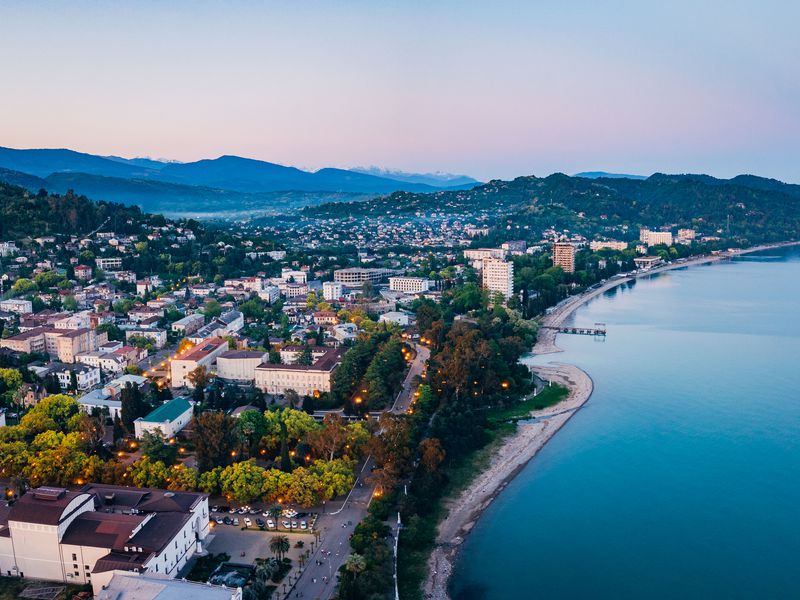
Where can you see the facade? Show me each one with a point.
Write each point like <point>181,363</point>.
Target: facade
<point>157,336</point>
<point>113,263</point>
<point>607,245</point>
<point>294,276</point>
<point>304,379</point>
<point>270,293</point>
<point>169,418</point>
<point>358,276</point>
<point>409,285</point>
<point>16,305</point>
<point>498,276</point>
<point>332,290</point>
<point>188,324</point>
<point>564,256</point>
<point>83,272</point>
<point>403,319</point>
<point>653,238</point>
<point>65,344</point>
<point>686,236</point>
<point>325,317</point>
<point>239,365</point>
<point>475,256</point>
<point>204,354</point>
<point>647,262</point>
<point>86,377</point>
<point>82,537</point>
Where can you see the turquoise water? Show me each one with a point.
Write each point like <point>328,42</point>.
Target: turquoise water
<point>680,478</point>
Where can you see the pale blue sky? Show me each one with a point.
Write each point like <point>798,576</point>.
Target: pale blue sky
<point>492,89</point>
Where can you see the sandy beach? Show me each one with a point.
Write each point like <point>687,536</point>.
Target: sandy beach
<point>531,436</point>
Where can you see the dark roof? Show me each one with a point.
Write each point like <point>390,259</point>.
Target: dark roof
<point>102,530</point>
<point>160,530</point>
<point>124,561</point>
<point>142,499</point>
<point>326,362</point>
<point>44,506</point>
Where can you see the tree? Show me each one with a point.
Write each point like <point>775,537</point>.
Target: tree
<point>330,438</point>
<point>279,545</point>
<point>356,564</point>
<point>431,454</point>
<point>51,413</point>
<point>242,481</point>
<point>214,439</point>
<point>23,286</point>
<point>115,334</point>
<point>306,358</point>
<point>251,427</point>
<point>292,398</point>
<point>212,309</point>
<point>199,377</point>
<point>133,405</point>
<point>154,445</point>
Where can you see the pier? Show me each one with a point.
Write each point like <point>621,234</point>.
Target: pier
<point>598,329</point>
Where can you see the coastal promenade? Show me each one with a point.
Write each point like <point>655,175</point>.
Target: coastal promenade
<point>531,436</point>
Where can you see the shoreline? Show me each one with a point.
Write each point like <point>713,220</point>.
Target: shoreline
<point>518,450</point>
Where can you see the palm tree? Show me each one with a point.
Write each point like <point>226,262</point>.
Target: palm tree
<point>279,545</point>
<point>356,564</point>
<point>275,512</point>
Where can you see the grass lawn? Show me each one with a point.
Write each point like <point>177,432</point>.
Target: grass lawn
<point>12,587</point>
<point>549,396</point>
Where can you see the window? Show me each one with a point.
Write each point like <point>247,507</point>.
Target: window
<point>77,574</point>
<point>75,557</point>
<point>74,566</point>
<point>86,567</point>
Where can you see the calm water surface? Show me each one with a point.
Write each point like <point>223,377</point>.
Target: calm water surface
<point>680,478</point>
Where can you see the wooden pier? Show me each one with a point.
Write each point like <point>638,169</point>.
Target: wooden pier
<point>598,329</point>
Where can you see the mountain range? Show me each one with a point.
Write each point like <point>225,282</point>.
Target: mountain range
<point>209,185</point>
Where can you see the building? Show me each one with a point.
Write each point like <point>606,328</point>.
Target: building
<point>653,238</point>
<point>497,276</point>
<point>410,285</point>
<point>332,290</point>
<point>647,262</point>
<point>475,256</point>
<point>232,320</point>
<point>8,248</point>
<point>86,377</point>
<point>125,585</point>
<point>83,537</point>
<point>686,236</point>
<point>155,335</point>
<point>204,354</point>
<point>83,272</point>
<point>113,263</point>
<point>358,276</point>
<point>188,324</point>
<point>239,365</point>
<point>65,344</point>
<point>304,379</point>
<point>16,305</point>
<point>607,245</point>
<point>564,256</point>
<point>325,317</point>
<point>107,398</point>
<point>515,246</point>
<point>169,418</point>
<point>344,332</point>
<point>292,276</point>
<point>403,319</point>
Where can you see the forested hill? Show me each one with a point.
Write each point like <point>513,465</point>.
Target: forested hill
<point>23,213</point>
<point>748,207</point>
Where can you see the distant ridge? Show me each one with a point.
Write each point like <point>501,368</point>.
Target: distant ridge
<point>440,180</point>
<point>604,175</point>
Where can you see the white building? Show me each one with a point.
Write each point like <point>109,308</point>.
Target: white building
<point>188,324</point>
<point>653,238</point>
<point>157,336</point>
<point>409,285</point>
<point>403,319</point>
<point>270,293</point>
<point>169,418</point>
<point>332,290</point>
<point>83,537</point>
<point>109,264</point>
<point>86,377</point>
<point>304,379</point>
<point>475,256</point>
<point>17,305</point>
<point>204,354</point>
<point>239,365</point>
<point>290,275</point>
<point>607,245</point>
<point>498,276</point>
<point>125,585</point>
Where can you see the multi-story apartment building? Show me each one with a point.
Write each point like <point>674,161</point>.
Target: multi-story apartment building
<point>83,537</point>
<point>157,336</point>
<point>188,324</point>
<point>497,275</point>
<point>86,376</point>
<point>332,290</point>
<point>607,245</point>
<point>64,344</point>
<point>475,256</point>
<point>409,285</point>
<point>293,276</point>
<point>270,293</point>
<point>16,305</point>
<point>358,276</point>
<point>304,379</point>
<point>203,354</point>
<point>111,263</point>
<point>564,256</point>
<point>653,238</point>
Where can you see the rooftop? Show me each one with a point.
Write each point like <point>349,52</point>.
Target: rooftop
<point>202,349</point>
<point>169,411</point>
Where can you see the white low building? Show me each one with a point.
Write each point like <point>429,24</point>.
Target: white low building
<point>169,418</point>
<point>204,354</point>
<point>239,365</point>
<point>403,319</point>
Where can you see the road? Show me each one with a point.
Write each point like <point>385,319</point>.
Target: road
<point>319,580</point>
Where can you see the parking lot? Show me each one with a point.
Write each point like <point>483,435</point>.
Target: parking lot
<point>254,543</point>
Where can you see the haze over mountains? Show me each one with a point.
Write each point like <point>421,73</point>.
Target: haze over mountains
<point>212,185</point>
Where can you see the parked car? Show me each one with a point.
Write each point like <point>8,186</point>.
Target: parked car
<point>218,520</point>
<point>260,523</point>
<point>253,511</point>
<point>214,508</point>
<point>303,525</point>
<point>232,511</point>
<point>248,522</point>
<point>227,520</point>
<point>286,525</point>
<point>236,521</point>
<point>270,523</point>
<point>294,524</point>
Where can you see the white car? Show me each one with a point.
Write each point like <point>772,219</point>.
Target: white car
<point>294,524</point>
<point>270,523</point>
<point>248,522</point>
<point>236,521</point>
<point>303,525</point>
<point>286,525</point>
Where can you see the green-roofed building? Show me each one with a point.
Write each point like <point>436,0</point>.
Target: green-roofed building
<point>169,418</point>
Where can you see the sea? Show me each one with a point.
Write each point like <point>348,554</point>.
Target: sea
<point>680,478</point>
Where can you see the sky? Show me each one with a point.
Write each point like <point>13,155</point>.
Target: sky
<point>490,89</point>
